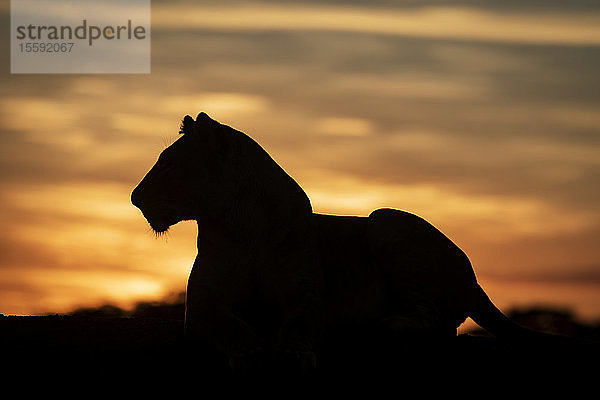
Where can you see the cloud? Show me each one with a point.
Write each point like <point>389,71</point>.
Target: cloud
<point>86,240</point>
<point>343,126</point>
<point>44,290</point>
<point>458,23</point>
<point>492,218</point>
<point>412,85</point>
<point>224,104</point>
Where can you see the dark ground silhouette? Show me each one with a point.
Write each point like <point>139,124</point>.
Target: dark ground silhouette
<point>147,343</point>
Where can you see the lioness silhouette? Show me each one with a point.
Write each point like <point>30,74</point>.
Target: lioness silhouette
<point>272,276</point>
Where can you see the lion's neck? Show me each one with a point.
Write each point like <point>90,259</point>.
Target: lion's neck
<point>266,203</point>
<point>265,213</point>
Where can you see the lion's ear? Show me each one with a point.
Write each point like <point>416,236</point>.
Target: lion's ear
<point>187,126</point>
<point>203,118</point>
<point>214,134</point>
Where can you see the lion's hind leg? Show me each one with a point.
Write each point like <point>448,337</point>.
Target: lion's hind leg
<point>408,346</point>
<point>416,333</point>
<point>421,322</point>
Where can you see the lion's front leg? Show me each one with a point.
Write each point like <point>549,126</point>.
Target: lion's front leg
<point>303,320</point>
<point>211,325</point>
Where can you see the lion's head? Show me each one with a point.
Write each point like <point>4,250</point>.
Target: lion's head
<point>211,171</point>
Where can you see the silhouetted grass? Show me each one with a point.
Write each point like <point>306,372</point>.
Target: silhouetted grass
<point>148,341</point>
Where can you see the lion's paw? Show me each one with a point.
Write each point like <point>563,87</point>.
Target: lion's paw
<point>248,364</point>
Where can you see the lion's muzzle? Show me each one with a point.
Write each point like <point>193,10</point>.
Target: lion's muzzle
<point>157,213</point>
<point>136,197</point>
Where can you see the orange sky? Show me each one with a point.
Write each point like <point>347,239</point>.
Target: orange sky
<point>484,119</point>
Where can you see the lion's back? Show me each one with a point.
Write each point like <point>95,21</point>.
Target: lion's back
<point>389,236</point>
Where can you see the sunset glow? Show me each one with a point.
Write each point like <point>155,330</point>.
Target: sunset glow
<point>483,120</point>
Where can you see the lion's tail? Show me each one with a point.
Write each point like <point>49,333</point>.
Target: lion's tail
<point>489,317</point>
